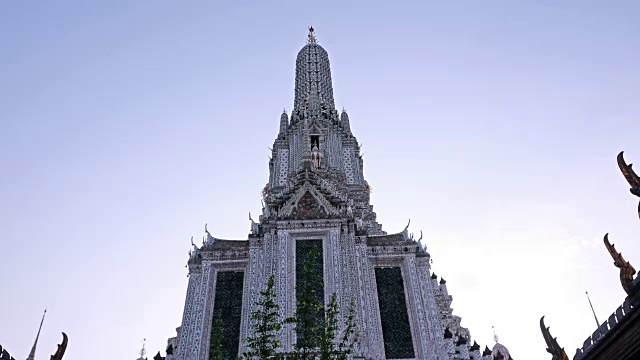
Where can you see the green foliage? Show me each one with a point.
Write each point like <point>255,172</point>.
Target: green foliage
<point>309,298</point>
<point>349,338</point>
<point>265,323</point>
<point>317,327</point>
<point>330,328</point>
<point>217,337</point>
<point>333,346</point>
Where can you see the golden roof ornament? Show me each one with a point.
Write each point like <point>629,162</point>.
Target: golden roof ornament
<point>553,348</point>
<point>626,270</point>
<point>632,178</point>
<point>311,38</point>
<point>629,174</point>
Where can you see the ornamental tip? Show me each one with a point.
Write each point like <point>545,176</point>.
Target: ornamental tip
<point>312,36</point>
<point>143,351</point>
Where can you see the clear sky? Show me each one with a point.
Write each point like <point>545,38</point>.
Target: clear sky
<point>125,126</point>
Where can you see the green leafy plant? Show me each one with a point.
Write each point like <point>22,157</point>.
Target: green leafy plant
<point>217,337</point>
<point>316,326</point>
<point>265,323</point>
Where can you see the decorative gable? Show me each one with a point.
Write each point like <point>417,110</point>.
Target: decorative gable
<point>308,203</point>
<point>308,207</point>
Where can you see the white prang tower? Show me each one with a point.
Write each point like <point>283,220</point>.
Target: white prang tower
<point>317,198</point>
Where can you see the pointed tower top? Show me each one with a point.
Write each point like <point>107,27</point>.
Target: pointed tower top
<point>312,36</point>
<point>143,351</point>
<point>313,75</point>
<point>495,336</point>
<point>32,354</point>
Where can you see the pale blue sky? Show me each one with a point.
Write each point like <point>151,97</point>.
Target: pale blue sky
<point>493,125</point>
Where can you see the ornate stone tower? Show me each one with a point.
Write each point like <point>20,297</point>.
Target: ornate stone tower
<point>317,198</point>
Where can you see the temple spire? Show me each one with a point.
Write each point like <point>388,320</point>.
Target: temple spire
<point>143,351</point>
<point>313,75</point>
<point>32,354</point>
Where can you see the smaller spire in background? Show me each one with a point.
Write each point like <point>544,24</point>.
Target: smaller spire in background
<point>593,311</point>
<point>143,351</point>
<point>495,336</point>
<point>32,354</point>
<point>312,36</point>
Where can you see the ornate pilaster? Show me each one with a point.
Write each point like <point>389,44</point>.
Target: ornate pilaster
<point>255,281</point>
<point>285,285</point>
<point>188,317</point>
<point>199,313</point>
<point>434,328</point>
<point>419,311</point>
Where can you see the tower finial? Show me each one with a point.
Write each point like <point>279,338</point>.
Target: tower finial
<point>312,36</point>
<point>143,351</point>
<point>32,354</point>
<point>495,336</point>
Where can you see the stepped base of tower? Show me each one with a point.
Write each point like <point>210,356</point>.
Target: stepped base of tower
<point>402,310</point>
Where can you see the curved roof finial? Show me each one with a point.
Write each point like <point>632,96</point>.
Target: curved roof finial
<point>311,38</point>
<point>627,170</point>
<point>627,271</point>
<point>553,347</point>
<point>405,232</point>
<point>62,347</point>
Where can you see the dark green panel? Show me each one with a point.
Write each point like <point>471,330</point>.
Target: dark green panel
<point>309,289</point>
<point>228,308</point>
<point>396,331</point>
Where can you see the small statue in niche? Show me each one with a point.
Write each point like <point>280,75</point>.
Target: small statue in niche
<point>265,210</point>
<point>317,156</point>
<point>359,223</point>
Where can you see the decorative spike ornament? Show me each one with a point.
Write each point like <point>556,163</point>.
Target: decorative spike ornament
<point>32,354</point>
